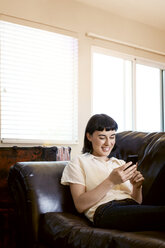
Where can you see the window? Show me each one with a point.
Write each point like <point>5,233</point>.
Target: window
<point>148,98</point>
<point>128,90</point>
<point>38,77</point>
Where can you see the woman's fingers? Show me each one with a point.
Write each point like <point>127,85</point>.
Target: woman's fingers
<point>137,177</point>
<point>122,174</point>
<point>126,166</point>
<point>127,173</point>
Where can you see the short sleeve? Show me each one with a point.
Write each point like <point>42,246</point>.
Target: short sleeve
<point>73,173</point>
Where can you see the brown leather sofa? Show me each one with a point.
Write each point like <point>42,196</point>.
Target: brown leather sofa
<point>46,215</point>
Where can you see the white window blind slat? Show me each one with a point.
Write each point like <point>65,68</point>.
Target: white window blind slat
<point>39,85</point>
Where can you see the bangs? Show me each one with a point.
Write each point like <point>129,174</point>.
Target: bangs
<point>106,128</point>
<point>105,123</point>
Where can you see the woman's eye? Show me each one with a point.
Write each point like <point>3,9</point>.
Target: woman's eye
<point>112,137</point>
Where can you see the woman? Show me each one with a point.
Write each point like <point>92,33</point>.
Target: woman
<point>109,194</point>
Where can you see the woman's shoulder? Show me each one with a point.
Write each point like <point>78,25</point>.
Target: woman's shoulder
<point>79,161</point>
<point>82,157</point>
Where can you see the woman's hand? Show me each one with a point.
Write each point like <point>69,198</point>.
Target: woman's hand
<point>137,179</point>
<point>122,174</point>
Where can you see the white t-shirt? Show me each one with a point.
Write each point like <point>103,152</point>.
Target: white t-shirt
<point>90,171</point>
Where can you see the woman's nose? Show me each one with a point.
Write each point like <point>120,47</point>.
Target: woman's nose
<point>107,142</point>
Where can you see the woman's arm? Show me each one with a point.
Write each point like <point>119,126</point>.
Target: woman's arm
<point>85,199</point>
<point>137,181</point>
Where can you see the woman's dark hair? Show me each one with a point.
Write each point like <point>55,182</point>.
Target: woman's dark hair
<point>97,122</point>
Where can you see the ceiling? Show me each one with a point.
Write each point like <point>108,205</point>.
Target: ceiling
<point>150,12</point>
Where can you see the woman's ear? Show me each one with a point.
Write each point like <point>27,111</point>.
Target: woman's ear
<point>88,135</point>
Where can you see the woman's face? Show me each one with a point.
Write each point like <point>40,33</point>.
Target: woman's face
<point>102,142</point>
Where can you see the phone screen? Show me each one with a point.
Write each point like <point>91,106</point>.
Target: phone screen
<point>133,159</point>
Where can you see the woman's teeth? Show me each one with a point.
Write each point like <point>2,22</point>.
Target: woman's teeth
<point>105,149</point>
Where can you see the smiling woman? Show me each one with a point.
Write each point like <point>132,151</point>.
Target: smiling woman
<point>102,188</point>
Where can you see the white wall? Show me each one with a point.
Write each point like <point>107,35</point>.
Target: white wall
<point>79,18</point>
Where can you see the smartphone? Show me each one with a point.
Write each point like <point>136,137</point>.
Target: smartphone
<point>132,158</point>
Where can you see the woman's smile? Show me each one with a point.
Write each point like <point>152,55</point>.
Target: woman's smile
<point>106,149</point>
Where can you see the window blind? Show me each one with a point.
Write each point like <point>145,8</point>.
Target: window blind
<point>39,85</point>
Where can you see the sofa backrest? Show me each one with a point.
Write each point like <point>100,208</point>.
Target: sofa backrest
<point>133,142</point>
<point>150,148</point>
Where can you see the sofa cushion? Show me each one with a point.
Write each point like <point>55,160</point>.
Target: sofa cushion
<point>71,231</point>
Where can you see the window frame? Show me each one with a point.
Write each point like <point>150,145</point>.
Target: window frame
<point>135,60</point>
